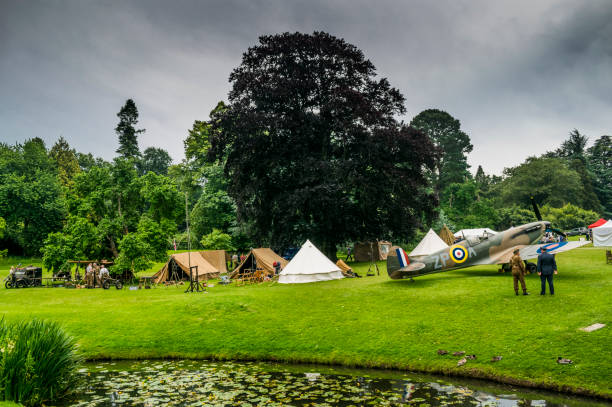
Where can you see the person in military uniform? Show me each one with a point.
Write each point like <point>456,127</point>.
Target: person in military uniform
<point>96,276</point>
<point>518,272</point>
<point>104,274</point>
<point>89,276</point>
<point>547,266</point>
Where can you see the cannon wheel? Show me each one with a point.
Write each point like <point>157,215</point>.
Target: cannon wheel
<point>20,284</point>
<point>118,285</point>
<point>106,285</point>
<point>8,284</point>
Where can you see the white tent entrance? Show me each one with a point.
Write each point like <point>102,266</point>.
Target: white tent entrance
<point>309,265</point>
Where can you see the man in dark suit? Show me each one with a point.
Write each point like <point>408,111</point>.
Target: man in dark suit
<point>547,266</point>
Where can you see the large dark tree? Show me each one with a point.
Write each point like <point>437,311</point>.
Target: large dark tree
<point>445,132</point>
<point>312,147</point>
<point>126,131</point>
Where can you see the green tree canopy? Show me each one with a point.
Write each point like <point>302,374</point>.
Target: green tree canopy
<point>569,216</point>
<point>312,148</point>
<point>454,144</point>
<point>514,216</point>
<point>466,208</point>
<point>217,240</point>
<point>197,142</point>
<point>31,198</point>
<point>155,160</point>
<point>549,180</point>
<point>110,201</point>
<point>573,151</point>
<point>572,148</point>
<point>66,160</point>
<point>214,209</point>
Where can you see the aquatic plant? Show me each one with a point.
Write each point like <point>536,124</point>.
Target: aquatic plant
<point>38,362</point>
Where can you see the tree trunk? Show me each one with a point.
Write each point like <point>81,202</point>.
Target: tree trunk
<point>113,247</point>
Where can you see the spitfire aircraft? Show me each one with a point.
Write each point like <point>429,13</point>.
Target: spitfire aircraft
<point>478,250</point>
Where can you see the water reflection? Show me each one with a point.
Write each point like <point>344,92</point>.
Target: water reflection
<point>197,383</point>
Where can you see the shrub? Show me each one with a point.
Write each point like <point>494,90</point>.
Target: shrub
<point>217,240</point>
<point>38,362</point>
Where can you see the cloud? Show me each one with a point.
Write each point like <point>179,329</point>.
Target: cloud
<point>519,75</point>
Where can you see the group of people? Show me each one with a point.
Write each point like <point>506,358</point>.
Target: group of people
<point>95,275</point>
<point>550,237</point>
<point>237,260</point>
<point>546,268</point>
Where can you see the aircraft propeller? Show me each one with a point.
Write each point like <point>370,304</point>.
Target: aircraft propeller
<point>539,217</point>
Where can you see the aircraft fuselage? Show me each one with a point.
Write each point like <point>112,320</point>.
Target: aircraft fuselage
<point>469,252</point>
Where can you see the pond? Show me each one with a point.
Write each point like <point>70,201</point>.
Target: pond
<point>198,383</point>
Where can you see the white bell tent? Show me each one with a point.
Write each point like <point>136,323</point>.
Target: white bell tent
<point>430,244</point>
<point>309,265</point>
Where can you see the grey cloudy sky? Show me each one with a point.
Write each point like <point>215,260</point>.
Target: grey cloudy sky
<point>519,75</point>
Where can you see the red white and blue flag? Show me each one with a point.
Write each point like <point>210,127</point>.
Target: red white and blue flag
<point>404,261</point>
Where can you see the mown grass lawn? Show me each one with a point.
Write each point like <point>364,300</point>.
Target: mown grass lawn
<point>372,321</point>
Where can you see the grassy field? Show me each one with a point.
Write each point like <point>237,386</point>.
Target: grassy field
<point>372,322</point>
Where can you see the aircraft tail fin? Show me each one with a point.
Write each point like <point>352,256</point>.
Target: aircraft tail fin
<point>398,263</point>
<point>403,258</point>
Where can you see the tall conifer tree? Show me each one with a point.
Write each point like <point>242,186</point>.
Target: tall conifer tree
<point>126,131</point>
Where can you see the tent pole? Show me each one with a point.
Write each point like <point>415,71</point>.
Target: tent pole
<point>190,288</point>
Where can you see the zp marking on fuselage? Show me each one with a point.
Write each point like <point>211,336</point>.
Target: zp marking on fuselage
<point>444,257</point>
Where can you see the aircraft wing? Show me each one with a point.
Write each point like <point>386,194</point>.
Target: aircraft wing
<point>530,252</point>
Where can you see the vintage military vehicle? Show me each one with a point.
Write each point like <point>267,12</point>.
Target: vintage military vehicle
<point>24,277</point>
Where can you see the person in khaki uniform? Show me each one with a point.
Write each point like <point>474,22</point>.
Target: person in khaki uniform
<point>89,276</point>
<point>518,272</point>
<point>96,276</point>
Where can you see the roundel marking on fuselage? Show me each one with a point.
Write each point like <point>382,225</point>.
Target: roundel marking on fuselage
<point>458,253</point>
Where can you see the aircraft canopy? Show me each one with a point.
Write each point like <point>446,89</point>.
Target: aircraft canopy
<point>464,233</point>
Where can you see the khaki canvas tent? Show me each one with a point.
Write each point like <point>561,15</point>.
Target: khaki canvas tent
<point>217,258</point>
<point>366,251</point>
<point>309,265</point>
<point>177,268</point>
<point>446,235</point>
<point>259,259</point>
